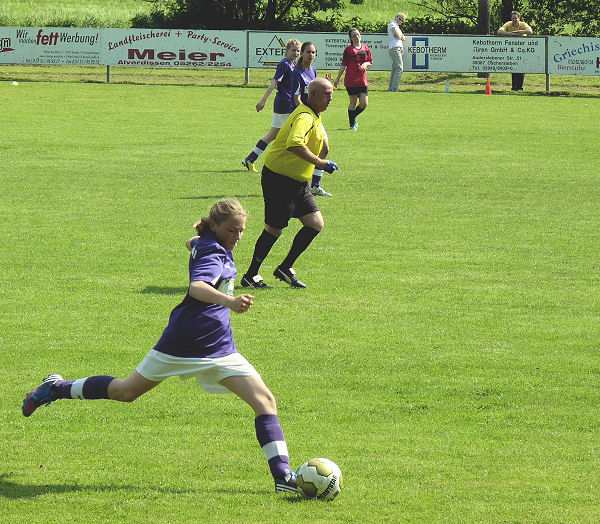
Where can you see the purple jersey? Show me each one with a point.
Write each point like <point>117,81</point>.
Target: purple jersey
<point>284,100</point>
<point>303,77</point>
<point>200,329</point>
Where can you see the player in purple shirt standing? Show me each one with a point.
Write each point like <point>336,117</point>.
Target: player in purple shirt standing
<point>197,342</point>
<point>284,102</point>
<point>304,74</point>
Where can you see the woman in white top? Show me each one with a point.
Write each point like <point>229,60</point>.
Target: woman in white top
<point>395,50</point>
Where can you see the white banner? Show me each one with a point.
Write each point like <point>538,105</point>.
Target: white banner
<point>465,54</point>
<point>174,48</point>
<point>50,45</point>
<point>573,56</point>
<point>265,49</point>
<point>475,54</point>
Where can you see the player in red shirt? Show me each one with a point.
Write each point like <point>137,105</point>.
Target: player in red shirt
<point>355,61</point>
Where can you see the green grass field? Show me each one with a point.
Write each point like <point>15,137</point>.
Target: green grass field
<point>444,354</point>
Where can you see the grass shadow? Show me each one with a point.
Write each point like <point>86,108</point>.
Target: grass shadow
<point>164,290</point>
<point>15,491</point>
<point>219,197</point>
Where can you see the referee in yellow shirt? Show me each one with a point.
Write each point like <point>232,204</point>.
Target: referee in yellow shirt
<point>289,164</point>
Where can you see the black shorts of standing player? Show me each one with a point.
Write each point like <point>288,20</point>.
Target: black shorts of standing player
<point>355,91</point>
<point>285,198</point>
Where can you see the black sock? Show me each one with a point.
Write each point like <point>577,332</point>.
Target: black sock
<point>301,241</point>
<point>261,250</point>
<point>351,116</point>
<point>358,111</point>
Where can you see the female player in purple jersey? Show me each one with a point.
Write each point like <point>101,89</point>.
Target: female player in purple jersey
<point>304,74</point>
<point>197,342</point>
<point>284,102</point>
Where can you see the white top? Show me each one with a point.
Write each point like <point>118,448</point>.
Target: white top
<point>394,42</point>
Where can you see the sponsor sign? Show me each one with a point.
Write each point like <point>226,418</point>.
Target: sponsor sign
<point>466,54</point>
<point>174,48</point>
<point>573,56</point>
<point>267,49</point>
<point>474,54</point>
<point>50,45</point>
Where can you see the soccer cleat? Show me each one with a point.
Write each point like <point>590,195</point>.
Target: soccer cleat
<point>40,396</point>
<point>255,282</point>
<point>354,127</point>
<point>249,165</point>
<point>287,486</point>
<point>288,276</point>
<point>319,191</point>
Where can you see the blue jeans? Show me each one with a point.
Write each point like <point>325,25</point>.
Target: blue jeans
<point>397,67</point>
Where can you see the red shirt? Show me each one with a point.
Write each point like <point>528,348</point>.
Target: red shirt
<point>352,58</point>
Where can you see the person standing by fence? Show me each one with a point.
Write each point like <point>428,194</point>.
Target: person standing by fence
<point>397,39</point>
<point>516,28</point>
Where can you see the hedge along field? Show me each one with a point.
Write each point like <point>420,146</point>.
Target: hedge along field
<point>119,13</point>
<point>444,353</point>
<point>65,13</point>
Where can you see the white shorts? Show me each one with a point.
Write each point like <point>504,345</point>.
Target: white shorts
<point>208,372</point>
<point>279,119</point>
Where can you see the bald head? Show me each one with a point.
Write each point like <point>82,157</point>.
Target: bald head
<point>320,94</point>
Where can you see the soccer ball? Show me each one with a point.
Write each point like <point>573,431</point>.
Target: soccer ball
<point>319,478</point>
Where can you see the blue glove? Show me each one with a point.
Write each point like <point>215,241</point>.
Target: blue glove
<point>331,167</point>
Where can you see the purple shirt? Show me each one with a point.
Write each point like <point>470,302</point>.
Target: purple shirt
<point>284,100</point>
<point>200,329</point>
<point>303,77</point>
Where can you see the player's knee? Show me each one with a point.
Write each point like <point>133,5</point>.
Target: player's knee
<point>273,231</point>
<point>129,398</point>
<point>119,391</point>
<point>125,396</point>
<point>318,224</point>
<point>267,404</point>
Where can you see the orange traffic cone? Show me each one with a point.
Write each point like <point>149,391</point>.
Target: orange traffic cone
<point>488,88</point>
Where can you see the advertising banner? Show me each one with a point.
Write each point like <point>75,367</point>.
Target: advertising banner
<point>49,45</point>
<point>267,49</point>
<point>573,56</point>
<point>464,54</point>
<point>174,48</point>
<point>474,54</point>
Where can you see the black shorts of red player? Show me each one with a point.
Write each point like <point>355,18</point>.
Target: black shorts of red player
<point>353,91</point>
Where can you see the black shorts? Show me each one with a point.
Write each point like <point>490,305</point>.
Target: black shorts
<point>358,90</point>
<point>285,198</point>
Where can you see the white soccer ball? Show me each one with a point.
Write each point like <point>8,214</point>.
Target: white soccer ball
<point>320,478</point>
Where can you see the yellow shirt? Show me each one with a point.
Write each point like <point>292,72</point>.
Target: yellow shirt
<point>508,27</point>
<point>302,128</point>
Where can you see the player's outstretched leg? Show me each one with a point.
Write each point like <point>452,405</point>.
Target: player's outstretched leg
<point>54,387</point>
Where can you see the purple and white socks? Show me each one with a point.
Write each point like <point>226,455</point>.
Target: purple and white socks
<point>258,150</point>
<point>83,388</point>
<point>271,440</point>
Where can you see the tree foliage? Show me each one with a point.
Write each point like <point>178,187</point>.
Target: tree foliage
<point>560,17</point>
<point>546,17</point>
<point>245,14</point>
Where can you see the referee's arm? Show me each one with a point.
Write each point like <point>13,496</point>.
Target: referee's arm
<point>306,154</point>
